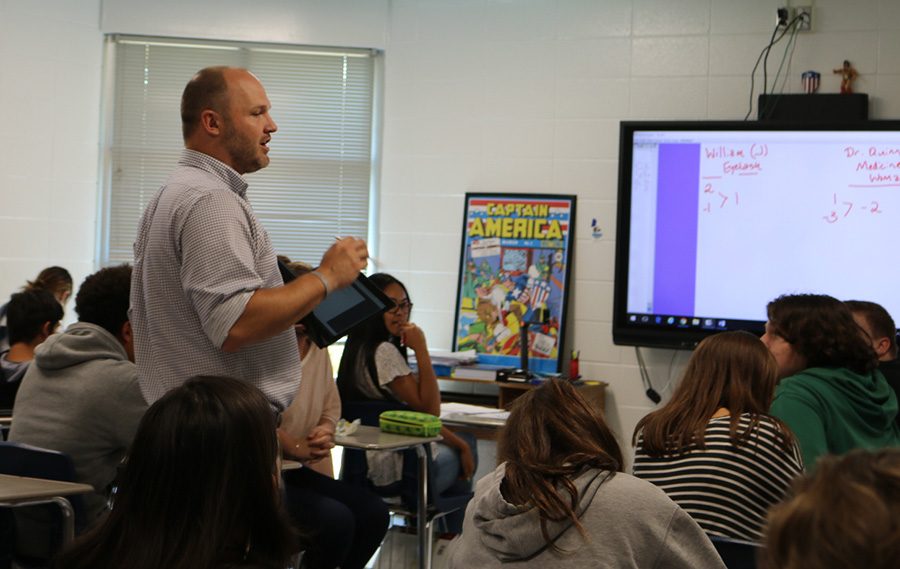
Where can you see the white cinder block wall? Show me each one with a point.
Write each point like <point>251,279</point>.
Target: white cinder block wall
<point>479,95</point>
<point>50,73</point>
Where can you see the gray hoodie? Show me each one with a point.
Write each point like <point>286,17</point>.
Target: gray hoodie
<point>630,523</point>
<point>80,396</point>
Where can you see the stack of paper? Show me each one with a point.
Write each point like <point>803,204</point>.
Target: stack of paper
<point>458,410</point>
<point>446,357</point>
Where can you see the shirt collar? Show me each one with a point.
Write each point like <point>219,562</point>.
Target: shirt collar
<point>207,163</point>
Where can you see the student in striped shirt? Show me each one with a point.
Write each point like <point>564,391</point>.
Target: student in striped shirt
<point>713,448</point>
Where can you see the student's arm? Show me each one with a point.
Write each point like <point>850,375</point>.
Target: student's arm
<point>216,241</point>
<point>124,403</point>
<point>422,394</point>
<point>271,311</point>
<point>321,436</point>
<point>466,458</point>
<point>331,410</point>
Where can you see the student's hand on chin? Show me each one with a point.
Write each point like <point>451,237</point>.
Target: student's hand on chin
<point>412,336</point>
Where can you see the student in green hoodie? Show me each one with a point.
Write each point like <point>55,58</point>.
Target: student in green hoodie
<point>830,392</point>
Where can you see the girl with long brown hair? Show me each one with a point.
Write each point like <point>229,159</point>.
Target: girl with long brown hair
<point>199,489</point>
<point>713,448</point>
<point>559,498</point>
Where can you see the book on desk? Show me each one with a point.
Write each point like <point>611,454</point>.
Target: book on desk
<point>484,372</point>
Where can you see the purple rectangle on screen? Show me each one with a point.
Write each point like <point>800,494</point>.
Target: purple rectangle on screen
<point>675,261</point>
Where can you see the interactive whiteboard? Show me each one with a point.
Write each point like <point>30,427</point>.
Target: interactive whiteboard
<point>717,219</point>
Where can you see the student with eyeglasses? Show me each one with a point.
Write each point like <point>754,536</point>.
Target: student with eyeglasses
<point>375,366</point>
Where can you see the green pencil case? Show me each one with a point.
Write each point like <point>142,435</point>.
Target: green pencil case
<point>409,423</point>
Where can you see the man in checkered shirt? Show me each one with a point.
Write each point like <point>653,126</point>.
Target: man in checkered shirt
<point>207,297</point>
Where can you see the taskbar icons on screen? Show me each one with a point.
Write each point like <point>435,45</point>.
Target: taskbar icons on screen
<point>674,321</point>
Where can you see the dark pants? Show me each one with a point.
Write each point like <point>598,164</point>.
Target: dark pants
<point>448,468</point>
<point>342,524</point>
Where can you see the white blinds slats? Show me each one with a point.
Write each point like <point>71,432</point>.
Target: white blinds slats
<point>317,184</point>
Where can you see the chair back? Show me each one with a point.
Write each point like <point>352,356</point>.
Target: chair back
<point>18,459</point>
<point>736,554</point>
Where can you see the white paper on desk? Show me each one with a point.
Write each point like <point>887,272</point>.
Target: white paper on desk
<point>457,409</point>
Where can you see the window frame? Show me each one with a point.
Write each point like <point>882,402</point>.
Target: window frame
<point>104,230</point>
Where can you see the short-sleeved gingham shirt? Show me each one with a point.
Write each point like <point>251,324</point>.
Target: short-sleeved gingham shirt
<point>199,256</point>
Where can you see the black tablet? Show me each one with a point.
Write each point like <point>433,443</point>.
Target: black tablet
<point>342,309</point>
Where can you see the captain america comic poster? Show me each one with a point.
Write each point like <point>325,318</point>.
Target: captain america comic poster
<point>514,272</point>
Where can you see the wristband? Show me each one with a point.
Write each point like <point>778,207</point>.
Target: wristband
<point>322,278</point>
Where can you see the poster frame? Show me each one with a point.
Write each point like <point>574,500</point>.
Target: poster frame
<point>484,206</point>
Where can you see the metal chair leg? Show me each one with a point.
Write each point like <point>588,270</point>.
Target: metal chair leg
<point>68,518</point>
<point>422,525</point>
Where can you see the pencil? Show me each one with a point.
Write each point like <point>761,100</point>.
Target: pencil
<point>371,258</point>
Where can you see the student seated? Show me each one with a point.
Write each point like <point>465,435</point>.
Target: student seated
<point>345,523</point>
<point>843,516</point>
<point>374,367</point>
<point>80,395</point>
<point>882,333</point>
<point>199,489</point>
<point>830,393</point>
<point>31,316</point>
<point>559,499</point>
<point>56,280</point>
<point>713,448</point>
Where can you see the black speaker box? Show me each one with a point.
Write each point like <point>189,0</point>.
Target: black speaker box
<point>829,107</point>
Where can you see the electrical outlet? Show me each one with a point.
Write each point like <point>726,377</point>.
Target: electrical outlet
<point>783,15</point>
<point>804,24</point>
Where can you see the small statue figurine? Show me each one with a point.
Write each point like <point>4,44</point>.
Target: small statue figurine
<point>848,74</point>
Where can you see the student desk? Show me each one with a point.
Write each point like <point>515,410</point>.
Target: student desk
<point>24,491</point>
<point>372,438</point>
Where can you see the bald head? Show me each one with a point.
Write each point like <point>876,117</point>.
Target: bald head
<point>225,114</point>
<point>208,89</point>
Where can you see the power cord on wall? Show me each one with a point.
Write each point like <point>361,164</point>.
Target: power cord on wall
<point>787,57</point>
<point>764,57</point>
<point>652,394</point>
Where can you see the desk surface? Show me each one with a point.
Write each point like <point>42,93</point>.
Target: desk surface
<point>373,438</point>
<point>19,488</point>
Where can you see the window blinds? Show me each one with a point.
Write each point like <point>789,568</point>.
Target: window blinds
<point>317,184</point>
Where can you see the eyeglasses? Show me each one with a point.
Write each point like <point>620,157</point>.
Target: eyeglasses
<point>405,306</point>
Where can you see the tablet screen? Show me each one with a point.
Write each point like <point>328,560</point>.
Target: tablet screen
<point>345,308</point>
<point>342,309</point>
